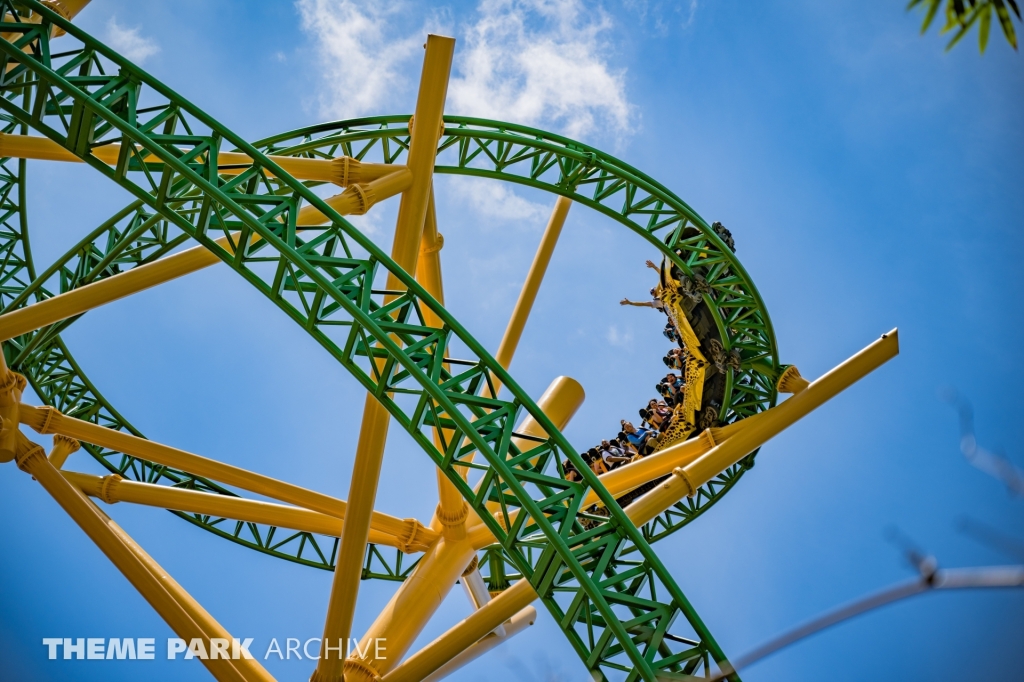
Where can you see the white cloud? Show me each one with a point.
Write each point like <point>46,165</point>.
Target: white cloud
<point>129,43</point>
<point>622,339</point>
<point>360,62</point>
<point>498,201</point>
<point>656,14</point>
<point>540,62</point>
<point>692,15</point>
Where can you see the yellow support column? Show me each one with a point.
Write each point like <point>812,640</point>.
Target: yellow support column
<point>112,489</point>
<point>736,443</point>
<point>469,631</point>
<point>32,459</point>
<point>428,274</point>
<point>687,479</point>
<point>512,627</point>
<point>416,600</point>
<point>420,596</point>
<point>95,294</point>
<point>628,476</point>
<point>11,386</point>
<point>249,668</point>
<point>47,420</point>
<point>412,211</point>
<point>528,294</point>
<point>559,402</point>
<point>356,199</point>
<point>342,170</point>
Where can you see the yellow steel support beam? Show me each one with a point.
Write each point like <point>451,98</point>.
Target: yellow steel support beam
<point>342,170</point>
<point>559,402</point>
<point>32,459</point>
<point>62,449</point>
<point>359,198</point>
<point>428,268</point>
<point>763,426</point>
<point>687,479</point>
<point>113,488</point>
<point>416,600</point>
<point>425,130</point>
<point>511,628</point>
<point>66,8</point>
<point>85,298</point>
<point>528,294</point>
<point>249,668</point>
<point>696,461</point>
<point>48,420</point>
<point>461,637</point>
<point>11,386</point>
<point>95,294</point>
<point>625,478</point>
<point>428,274</point>
<point>738,443</point>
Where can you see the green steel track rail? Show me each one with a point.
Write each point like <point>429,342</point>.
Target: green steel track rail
<point>136,236</point>
<point>619,615</point>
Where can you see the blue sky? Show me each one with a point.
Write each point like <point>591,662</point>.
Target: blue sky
<point>870,179</point>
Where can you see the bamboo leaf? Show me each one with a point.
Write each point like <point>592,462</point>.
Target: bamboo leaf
<point>984,27</point>
<point>930,15</point>
<point>964,28</point>
<point>952,18</point>
<point>1007,23</point>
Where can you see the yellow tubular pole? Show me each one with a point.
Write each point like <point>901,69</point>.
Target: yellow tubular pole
<point>737,445</point>
<point>762,427</point>
<point>49,420</point>
<point>32,460</point>
<point>512,627</point>
<point>62,449</point>
<point>340,171</point>
<point>559,402</point>
<point>685,480</point>
<point>249,668</point>
<point>12,385</point>
<point>629,476</point>
<point>72,7</point>
<point>113,489</point>
<point>698,460</point>
<point>412,212</point>
<point>462,636</point>
<point>358,198</point>
<point>95,294</point>
<point>428,274</point>
<point>528,294</point>
<point>436,578</point>
<point>416,600</point>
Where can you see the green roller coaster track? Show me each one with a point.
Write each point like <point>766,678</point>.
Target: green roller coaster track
<point>620,615</point>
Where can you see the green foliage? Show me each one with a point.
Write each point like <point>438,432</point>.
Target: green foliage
<point>961,15</point>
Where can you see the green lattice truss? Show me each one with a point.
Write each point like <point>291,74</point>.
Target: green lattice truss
<point>619,614</point>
